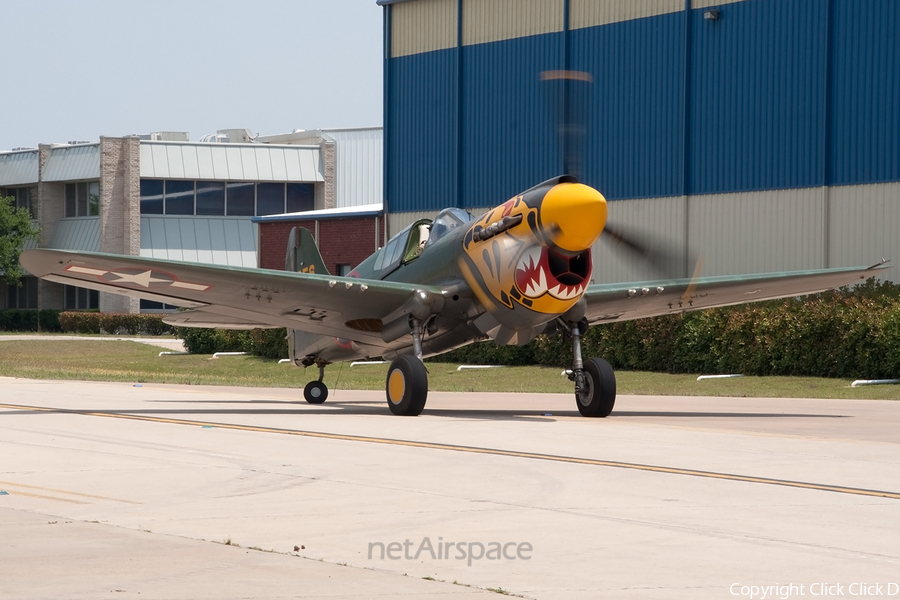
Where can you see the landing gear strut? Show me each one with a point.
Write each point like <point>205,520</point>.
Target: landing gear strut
<point>316,392</point>
<point>406,385</point>
<point>595,382</point>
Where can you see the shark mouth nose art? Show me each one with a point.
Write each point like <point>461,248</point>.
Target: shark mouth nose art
<point>541,270</point>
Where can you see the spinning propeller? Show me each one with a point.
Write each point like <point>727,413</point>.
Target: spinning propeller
<point>568,96</point>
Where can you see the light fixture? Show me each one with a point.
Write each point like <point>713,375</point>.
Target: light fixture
<point>711,14</point>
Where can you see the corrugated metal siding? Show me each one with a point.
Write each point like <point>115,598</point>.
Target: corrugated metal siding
<point>508,130</point>
<point>397,221</point>
<point>659,220</point>
<point>635,142</point>
<point>757,107</point>
<point>71,163</point>
<point>864,222</point>
<point>80,233</point>
<point>589,13</point>
<point>422,124</point>
<point>865,87</point>
<point>756,232</point>
<point>214,241</point>
<point>423,26</point>
<point>495,20</point>
<point>762,231</point>
<point>751,232</point>
<point>760,116</point>
<point>19,168</point>
<point>232,162</point>
<point>711,3</point>
<point>358,166</point>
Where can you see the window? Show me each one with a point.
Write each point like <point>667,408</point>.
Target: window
<point>83,199</point>
<point>93,190</point>
<point>24,296</point>
<point>211,198</point>
<point>21,198</point>
<point>269,198</point>
<point>214,198</point>
<point>78,298</point>
<point>343,269</point>
<point>239,199</point>
<point>150,305</point>
<point>151,196</point>
<point>179,197</point>
<point>300,196</point>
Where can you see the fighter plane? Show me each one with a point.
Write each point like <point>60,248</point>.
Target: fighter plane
<point>518,271</point>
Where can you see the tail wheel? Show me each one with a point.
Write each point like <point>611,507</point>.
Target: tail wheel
<point>406,386</point>
<point>598,395</point>
<point>315,392</point>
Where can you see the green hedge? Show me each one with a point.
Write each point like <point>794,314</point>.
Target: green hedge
<point>269,343</point>
<point>113,323</point>
<point>847,333</point>
<point>15,319</point>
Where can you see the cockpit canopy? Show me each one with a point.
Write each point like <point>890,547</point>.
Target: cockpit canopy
<point>412,240</point>
<point>447,219</point>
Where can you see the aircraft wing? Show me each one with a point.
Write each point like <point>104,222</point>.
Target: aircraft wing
<point>636,300</point>
<point>235,297</point>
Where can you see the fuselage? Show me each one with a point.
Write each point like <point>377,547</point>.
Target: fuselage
<point>505,274</point>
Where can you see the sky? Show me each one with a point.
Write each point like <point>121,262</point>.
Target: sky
<point>76,70</point>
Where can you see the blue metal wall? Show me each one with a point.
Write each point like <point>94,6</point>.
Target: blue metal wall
<point>780,94</point>
<point>757,101</point>
<point>865,92</point>
<point>421,138</point>
<point>507,128</point>
<point>635,129</point>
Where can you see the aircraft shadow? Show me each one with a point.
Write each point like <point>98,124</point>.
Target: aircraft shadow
<point>335,408</point>
<point>719,415</point>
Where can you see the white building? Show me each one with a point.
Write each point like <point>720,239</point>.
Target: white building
<point>163,196</point>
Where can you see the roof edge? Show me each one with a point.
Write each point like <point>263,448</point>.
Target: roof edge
<point>364,210</point>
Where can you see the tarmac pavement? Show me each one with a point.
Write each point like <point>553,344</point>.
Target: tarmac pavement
<point>164,491</point>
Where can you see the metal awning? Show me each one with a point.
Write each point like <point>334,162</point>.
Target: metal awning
<point>19,168</point>
<point>230,162</point>
<point>227,241</point>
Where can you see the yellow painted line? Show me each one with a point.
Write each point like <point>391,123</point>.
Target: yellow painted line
<point>477,450</point>
<point>12,484</point>
<point>14,492</point>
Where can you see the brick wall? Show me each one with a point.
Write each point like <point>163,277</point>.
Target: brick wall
<point>120,218</point>
<point>273,239</point>
<point>341,241</point>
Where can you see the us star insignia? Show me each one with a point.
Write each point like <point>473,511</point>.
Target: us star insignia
<point>145,278</point>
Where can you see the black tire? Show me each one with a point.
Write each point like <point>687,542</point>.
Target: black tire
<point>406,386</point>
<point>598,396</point>
<point>315,392</point>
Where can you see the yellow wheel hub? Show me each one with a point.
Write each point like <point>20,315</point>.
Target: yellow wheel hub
<point>396,386</point>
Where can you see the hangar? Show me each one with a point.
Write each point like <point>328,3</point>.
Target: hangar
<point>763,135</point>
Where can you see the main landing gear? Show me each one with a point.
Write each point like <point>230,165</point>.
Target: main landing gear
<point>316,392</point>
<point>406,385</point>
<point>595,382</point>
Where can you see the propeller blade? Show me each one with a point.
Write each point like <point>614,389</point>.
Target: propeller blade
<point>667,260</point>
<point>568,97</point>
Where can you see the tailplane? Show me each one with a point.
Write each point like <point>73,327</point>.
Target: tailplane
<point>303,255</point>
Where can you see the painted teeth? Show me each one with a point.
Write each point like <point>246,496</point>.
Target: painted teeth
<point>530,266</point>
<point>566,292</point>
